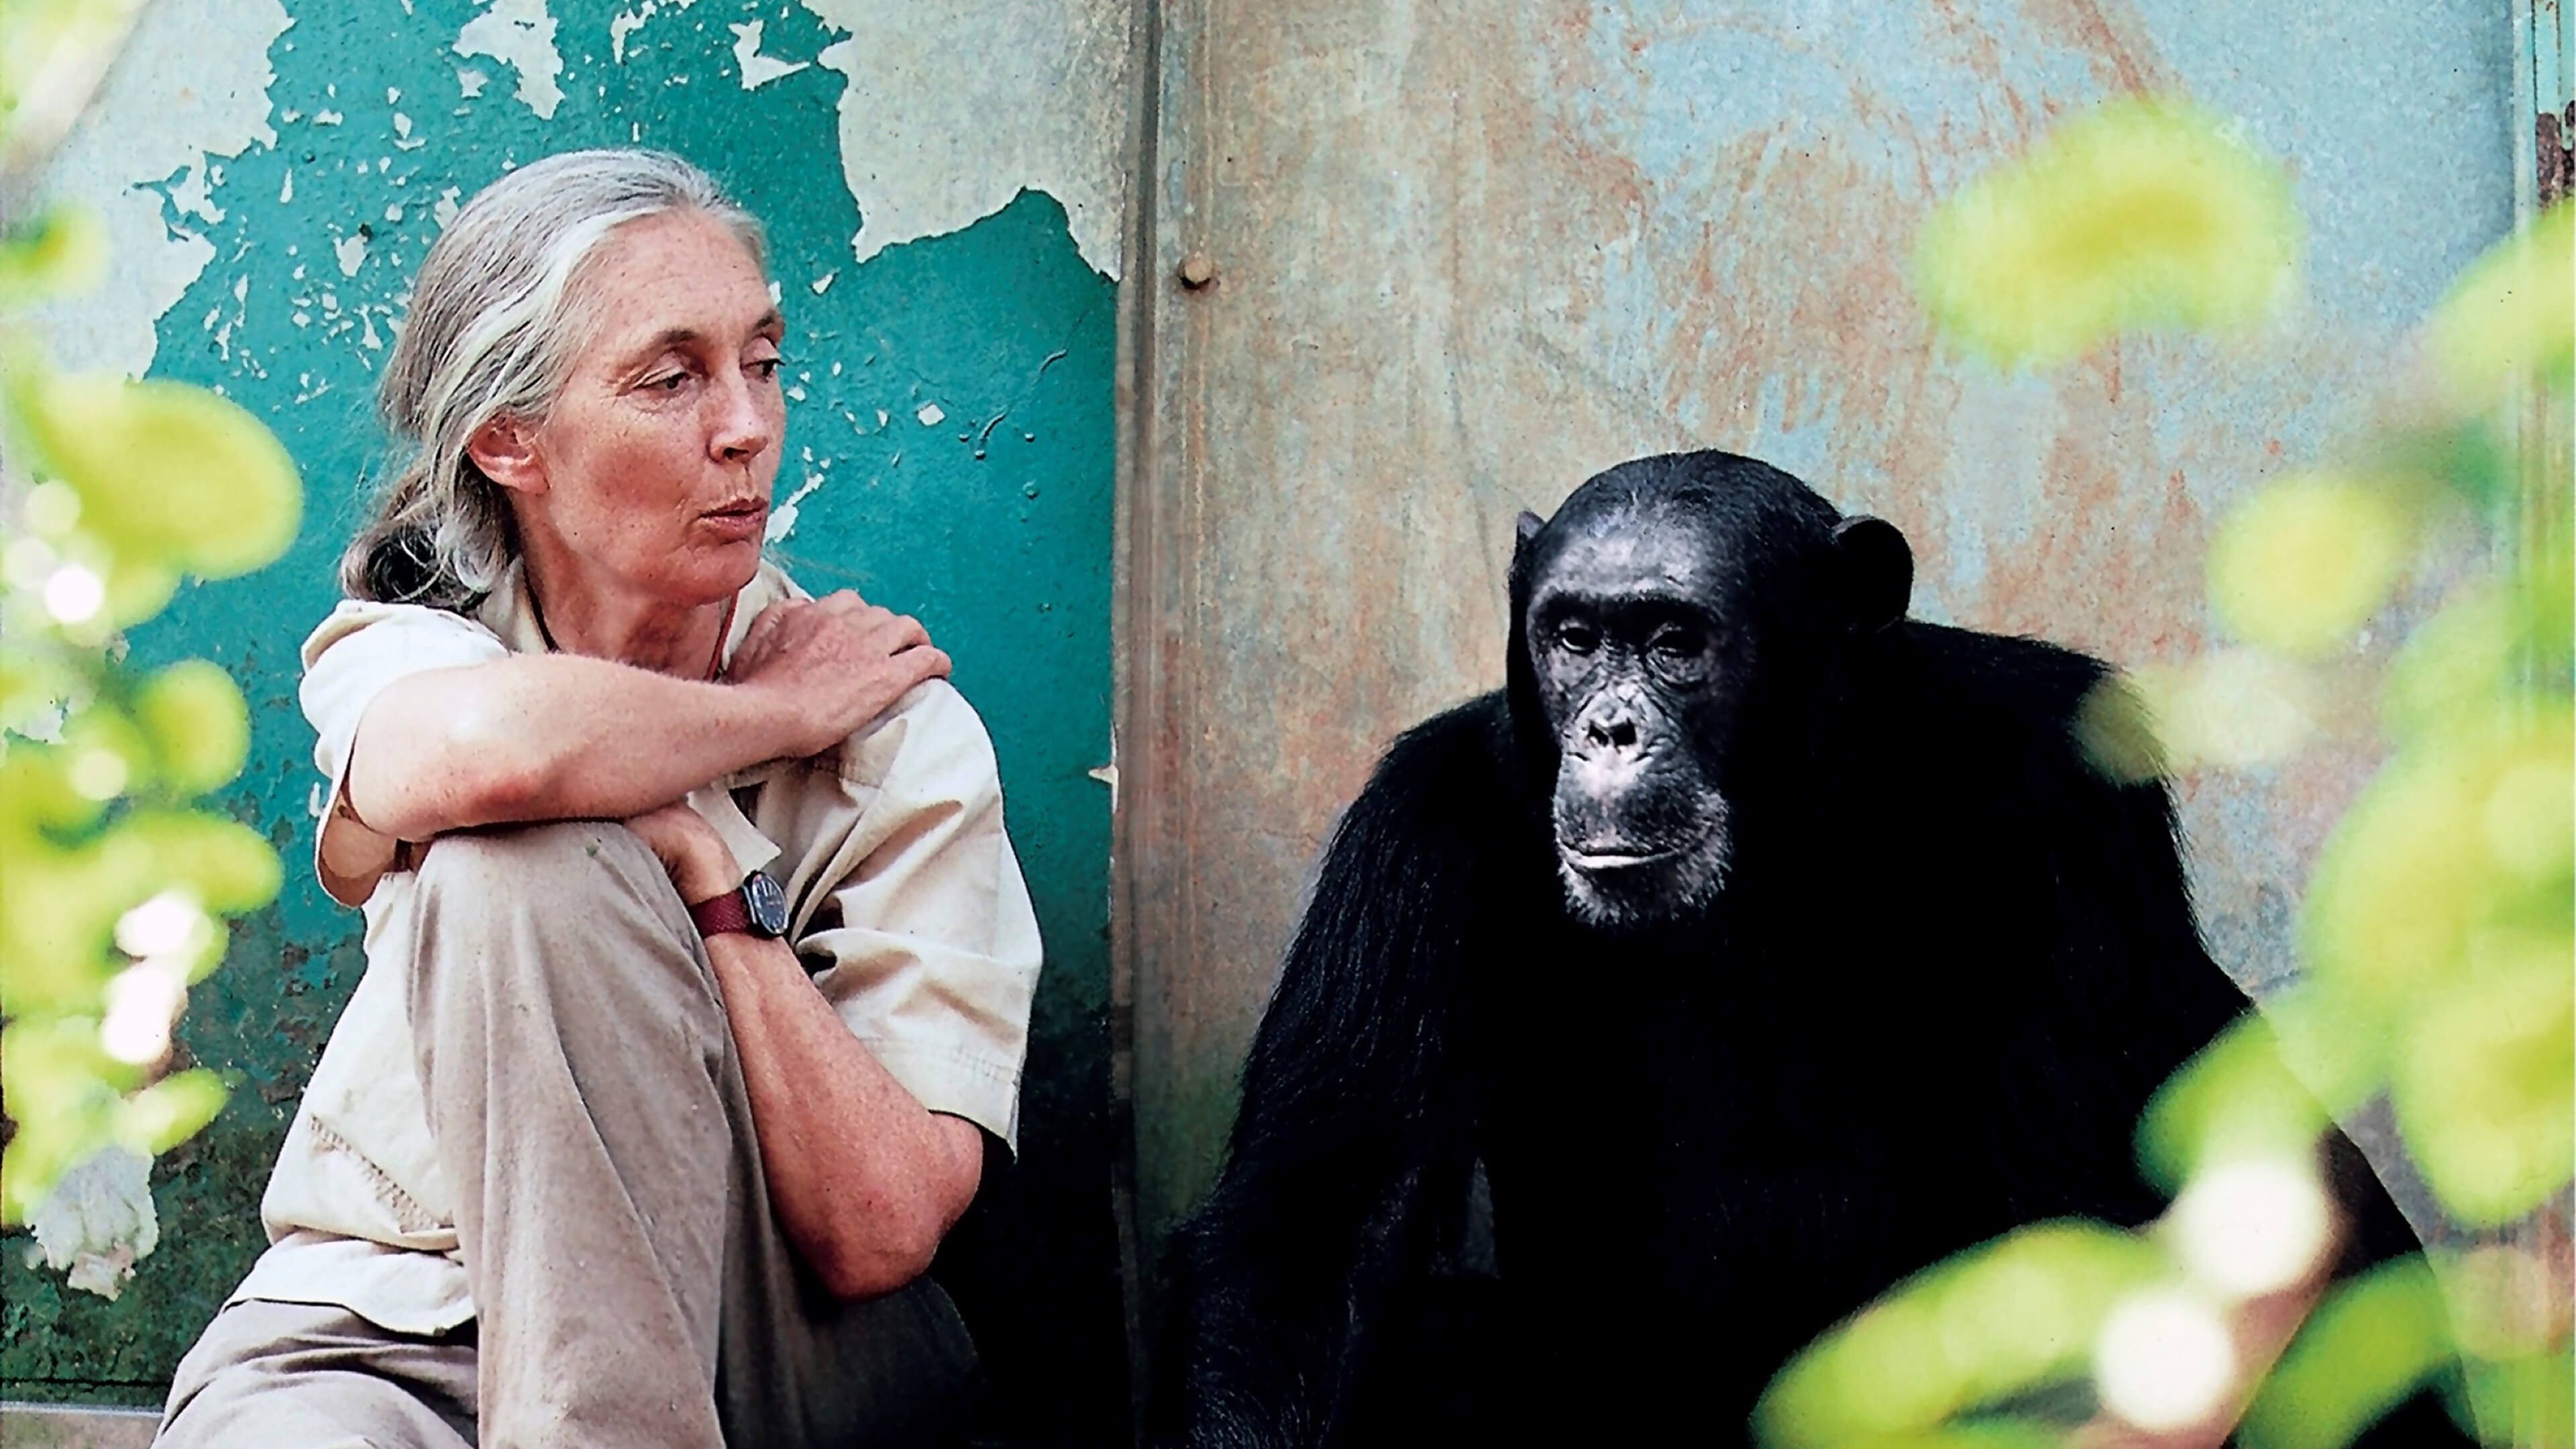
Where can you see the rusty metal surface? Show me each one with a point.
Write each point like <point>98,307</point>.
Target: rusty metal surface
<point>1447,258</point>
<point>2544,102</point>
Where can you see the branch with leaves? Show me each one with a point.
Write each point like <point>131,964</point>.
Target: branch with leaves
<point>115,876</point>
<point>2438,932</point>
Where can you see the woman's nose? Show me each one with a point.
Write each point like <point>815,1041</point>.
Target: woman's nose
<point>743,427</point>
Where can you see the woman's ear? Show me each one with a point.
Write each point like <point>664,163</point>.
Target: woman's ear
<point>504,449</point>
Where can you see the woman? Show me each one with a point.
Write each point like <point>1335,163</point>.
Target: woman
<point>615,1144</point>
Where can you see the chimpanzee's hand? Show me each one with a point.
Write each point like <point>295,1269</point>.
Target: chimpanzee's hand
<point>833,664</point>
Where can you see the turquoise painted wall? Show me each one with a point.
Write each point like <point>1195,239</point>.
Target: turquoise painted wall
<point>949,450</point>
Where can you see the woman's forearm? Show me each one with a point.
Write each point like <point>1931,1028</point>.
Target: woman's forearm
<point>550,737</point>
<point>864,1179</point>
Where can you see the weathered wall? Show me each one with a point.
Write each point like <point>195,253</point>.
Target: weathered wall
<point>1464,255</point>
<point>944,224</point>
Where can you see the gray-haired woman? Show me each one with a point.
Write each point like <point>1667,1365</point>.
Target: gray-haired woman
<point>615,1144</point>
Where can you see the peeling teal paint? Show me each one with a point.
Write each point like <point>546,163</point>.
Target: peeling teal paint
<point>992,524</point>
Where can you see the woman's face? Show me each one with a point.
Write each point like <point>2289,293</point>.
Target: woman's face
<point>652,473</point>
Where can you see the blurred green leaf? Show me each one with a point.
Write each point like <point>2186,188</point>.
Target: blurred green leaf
<point>228,865</point>
<point>102,754</point>
<point>55,921</point>
<point>198,723</point>
<point>2365,1349</point>
<point>55,54</point>
<point>63,252</point>
<point>2529,1401</point>
<point>2467,456</point>
<point>2303,563</point>
<point>171,476</point>
<point>2408,872</point>
<point>2143,213</point>
<point>2545,588</point>
<point>2486,1089</point>
<point>2456,667</point>
<point>1982,1326</point>
<point>1984,1433</point>
<point>62,1089</point>
<point>2336,1042</point>
<point>2236,1100</point>
<point>34,795</point>
<point>170,1111</point>
<point>2511,317</point>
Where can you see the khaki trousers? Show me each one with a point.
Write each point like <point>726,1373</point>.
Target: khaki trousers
<point>631,1284</point>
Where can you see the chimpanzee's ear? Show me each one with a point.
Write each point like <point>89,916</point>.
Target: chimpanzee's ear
<point>1522,532</point>
<point>1877,568</point>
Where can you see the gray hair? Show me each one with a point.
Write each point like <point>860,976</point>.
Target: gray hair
<point>494,324</point>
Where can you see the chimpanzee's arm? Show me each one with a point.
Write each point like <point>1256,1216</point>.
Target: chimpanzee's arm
<point>1352,1111</point>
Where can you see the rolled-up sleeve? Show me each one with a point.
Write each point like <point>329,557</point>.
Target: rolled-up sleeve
<point>348,661</point>
<point>910,902</point>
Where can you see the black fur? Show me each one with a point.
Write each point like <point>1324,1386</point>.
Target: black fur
<point>1949,965</point>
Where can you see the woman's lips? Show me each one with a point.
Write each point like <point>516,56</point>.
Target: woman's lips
<point>738,521</point>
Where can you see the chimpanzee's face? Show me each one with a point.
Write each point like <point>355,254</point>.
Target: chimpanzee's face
<point>1641,666</point>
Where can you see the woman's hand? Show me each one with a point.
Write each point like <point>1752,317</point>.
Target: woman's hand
<point>700,864</point>
<point>834,663</point>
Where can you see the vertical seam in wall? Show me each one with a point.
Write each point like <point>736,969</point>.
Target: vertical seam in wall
<point>1136,675</point>
<point>2544,75</point>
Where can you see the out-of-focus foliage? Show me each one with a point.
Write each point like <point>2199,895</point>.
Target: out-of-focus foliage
<point>63,251</point>
<point>113,881</point>
<point>2439,926</point>
<point>2144,213</point>
<point>2359,1356</point>
<point>2511,320</point>
<point>53,53</point>
<point>2018,1313</point>
<point>2305,561</point>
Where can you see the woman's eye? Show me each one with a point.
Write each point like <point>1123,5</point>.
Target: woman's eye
<point>666,382</point>
<point>766,368</point>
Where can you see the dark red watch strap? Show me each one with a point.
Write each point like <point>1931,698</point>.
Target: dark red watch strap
<point>722,914</point>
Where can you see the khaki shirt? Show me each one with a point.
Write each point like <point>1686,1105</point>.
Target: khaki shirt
<point>897,874</point>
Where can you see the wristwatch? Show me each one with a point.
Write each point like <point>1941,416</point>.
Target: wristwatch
<point>757,908</point>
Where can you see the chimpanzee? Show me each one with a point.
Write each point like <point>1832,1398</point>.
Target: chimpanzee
<point>1754,947</point>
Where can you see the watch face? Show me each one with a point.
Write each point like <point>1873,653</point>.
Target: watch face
<point>767,904</point>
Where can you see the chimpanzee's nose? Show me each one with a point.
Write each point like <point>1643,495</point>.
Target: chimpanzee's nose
<point>1617,732</point>
<point>1607,727</point>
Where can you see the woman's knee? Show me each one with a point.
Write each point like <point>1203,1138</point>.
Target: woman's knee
<point>578,885</point>
<point>550,865</point>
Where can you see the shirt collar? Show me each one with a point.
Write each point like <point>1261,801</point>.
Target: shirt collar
<point>509,612</point>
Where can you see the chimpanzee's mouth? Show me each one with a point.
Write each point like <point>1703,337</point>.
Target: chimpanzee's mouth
<point>1613,857</point>
<point>1596,862</point>
<point>1620,884</point>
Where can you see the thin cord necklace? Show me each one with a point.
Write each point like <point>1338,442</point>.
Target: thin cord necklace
<point>715,661</point>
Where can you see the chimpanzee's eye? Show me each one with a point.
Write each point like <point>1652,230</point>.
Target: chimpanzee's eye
<point>1675,643</point>
<point>1577,638</point>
